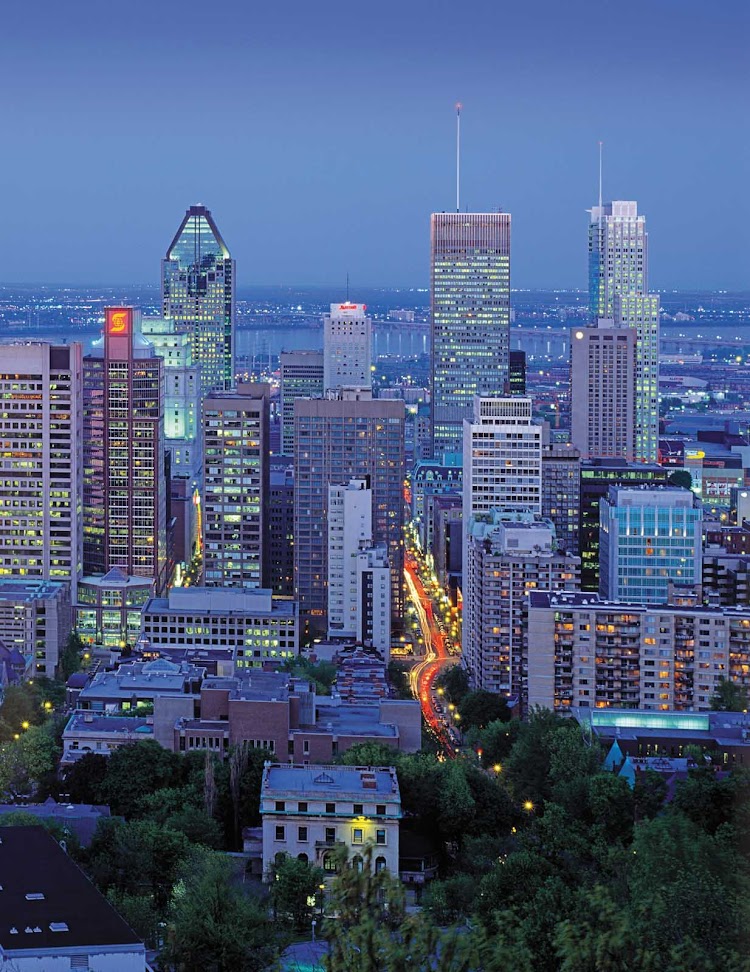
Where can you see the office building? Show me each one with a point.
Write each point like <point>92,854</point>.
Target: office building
<point>590,653</point>
<point>618,289</point>
<point>236,487</point>
<point>198,277</point>
<point>507,556</point>
<point>338,439</point>
<point>597,475</point>
<point>301,377</point>
<point>41,461</point>
<point>602,391</point>
<point>347,347</point>
<point>309,812</point>
<point>470,313</point>
<point>281,527</point>
<point>349,530</point>
<point>109,608</point>
<point>561,492</point>
<point>517,372</point>
<point>126,487</point>
<point>35,621</point>
<point>649,539</point>
<point>374,599</point>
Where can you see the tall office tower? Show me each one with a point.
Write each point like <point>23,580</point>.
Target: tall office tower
<point>347,347</point>
<point>470,301</point>
<point>374,599</point>
<point>508,555</point>
<point>125,482</point>
<point>618,289</point>
<point>649,539</point>
<point>301,377</point>
<point>517,372</point>
<point>597,475</point>
<point>602,390</point>
<point>349,436</point>
<point>182,432</point>
<point>349,529</point>
<point>198,295</point>
<point>41,461</point>
<point>236,486</point>
<point>561,492</point>
<point>281,527</point>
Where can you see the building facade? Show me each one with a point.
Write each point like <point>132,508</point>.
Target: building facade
<point>197,280</point>
<point>125,473</point>
<point>281,528</point>
<point>347,347</point>
<point>236,487</point>
<point>470,314</point>
<point>561,492</point>
<point>374,599</point>
<point>301,377</point>
<point>349,530</point>
<point>41,485</point>
<point>35,620</point>
<point>109,608</point>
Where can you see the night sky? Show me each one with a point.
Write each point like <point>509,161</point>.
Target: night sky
<point>321,134</point>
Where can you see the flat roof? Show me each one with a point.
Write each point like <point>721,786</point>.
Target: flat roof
<point>362,782</point>
<point>136,726</point>
<point>48,902</point>
<point>582,599</point>
<point>12,589</point>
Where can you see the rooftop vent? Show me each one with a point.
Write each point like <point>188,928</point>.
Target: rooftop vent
<point>58,926</point>
<point>35,896</point>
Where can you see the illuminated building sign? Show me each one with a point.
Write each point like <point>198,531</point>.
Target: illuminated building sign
<point>353,307</point>
<point>119,320</point>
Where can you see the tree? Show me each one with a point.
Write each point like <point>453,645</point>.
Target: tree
<point>71,656</point>
<point>294,890</point>
<point>496,741</point>
<point>27,760</point>
<point>479,709</point>
<point>681,477</point>
<point>370,754</point>
<point>83,782</point>
<point>649,794</point>
<point>134,771</point>
<point>213,925</point>
<point>398,676</point>
<point>21,707</point>
<point>454,682</point>
<point>730,696</point>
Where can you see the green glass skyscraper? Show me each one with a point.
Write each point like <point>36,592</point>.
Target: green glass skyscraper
<point>198,295</point>
<point>470,300</point>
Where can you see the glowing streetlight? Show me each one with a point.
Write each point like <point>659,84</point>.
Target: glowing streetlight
<point>25,724</point>
<point>528,805</point>
<point>497,768</point>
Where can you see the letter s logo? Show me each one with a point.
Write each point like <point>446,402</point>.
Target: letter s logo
<point>118,321</point>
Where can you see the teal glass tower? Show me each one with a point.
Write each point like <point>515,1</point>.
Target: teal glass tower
<point>198,295</point>
<point>470,302</point>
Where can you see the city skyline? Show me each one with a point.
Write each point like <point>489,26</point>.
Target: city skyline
<point>278,163</point>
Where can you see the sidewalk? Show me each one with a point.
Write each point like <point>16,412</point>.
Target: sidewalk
<point>304,957</point>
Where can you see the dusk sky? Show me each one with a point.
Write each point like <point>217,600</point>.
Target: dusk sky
<point>321,135</point>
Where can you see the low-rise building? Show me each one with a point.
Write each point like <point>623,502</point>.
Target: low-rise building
<point>35,620</point>
<point>89,732</point>
<point>54,918</point>
<point>309,812</point>
<point>139,683</point>
<point>80,819</point>
<point>108,612</point>
<point>258,627</point>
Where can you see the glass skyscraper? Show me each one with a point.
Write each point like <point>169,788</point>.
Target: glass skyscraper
<point>198,295</point>
<point>470,302</point>
<point>618,290</point>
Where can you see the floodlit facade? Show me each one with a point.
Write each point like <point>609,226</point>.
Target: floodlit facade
<point>470,303</point>
<point>649,539</point>
<point>236,487</point>
<point>349,529</point>
<point>347,347</point>
<point>198,277</point>
<point>125,480</point>
<point>301,377</point>
<point>41,461</point>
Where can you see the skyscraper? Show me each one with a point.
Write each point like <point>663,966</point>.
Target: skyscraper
<point>349,528</point>
<point>301,377</point>
<point>198,295</point>
<point>470,302</point>
<point>347,347</point>
<point>337,439</point>
<point>41,462</point>
<point>236,487</point>
<point>618,290</point>
<point>125,481</point>
<point>561,492</point>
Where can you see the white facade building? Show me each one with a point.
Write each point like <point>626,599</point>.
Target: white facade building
<point>309,812</point>
<point>347,347</point>
<point>349,529</point>
<point>374,599</point>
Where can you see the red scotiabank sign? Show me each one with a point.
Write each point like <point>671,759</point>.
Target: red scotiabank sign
<point>119,320</point>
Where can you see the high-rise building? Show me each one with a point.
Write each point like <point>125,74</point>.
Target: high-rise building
<point>618,289</point>
<point>507,555</point>
<point>281,527</point>
<point>561,492</point>
<point>597,475</point>
<point>198,295</point>
<point>236,486</point>
<point>374,599</point>
<point>347,347</point>
<point>301,377</point>
<point>650,538</point>
<point>470,302</point>
<point>349,530</point>
<point>41,462</point>
<point>602,390</point>
<point>350,436</point>
<point>124,454</point>
<point>35,621</point>
<point>517,372</point>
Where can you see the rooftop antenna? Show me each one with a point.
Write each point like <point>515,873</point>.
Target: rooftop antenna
<point>459,106</point>
<point>600,174</point>
<point>347,286</point>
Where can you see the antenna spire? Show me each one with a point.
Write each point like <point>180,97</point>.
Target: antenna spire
<point>347,286</point>
<point>459,106</point>
<point>600,174</point>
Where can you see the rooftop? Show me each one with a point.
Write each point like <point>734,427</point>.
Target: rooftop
<point>233,601</point>
<point>155,677</point>
<point>568,600</point>
<point>29,590</point>
<point>81,818</point>
<point>135,726</point>
<point>324,781</point>
<point>48,902</point>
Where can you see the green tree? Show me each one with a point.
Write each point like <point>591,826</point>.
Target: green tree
<point>21,707</point>
<point>649,794</point>
<point>294,890</point>
<point>135,770</point>
<point>398,676</point>
<point>83,782</point>
<point>454,682</point>
<point>479,709</point>
<point>681,477</point>
<point>496,740</point>
<point>71,656</point>
<point>730,696</point>
<point>370,754</point>
<point>213,925</point>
